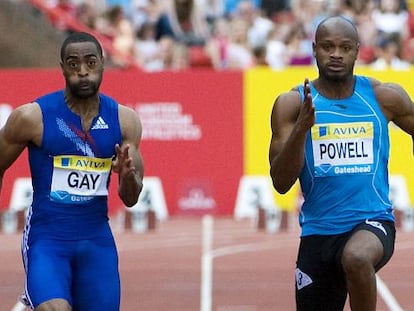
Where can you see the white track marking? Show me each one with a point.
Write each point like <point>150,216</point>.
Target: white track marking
<point>208,254</point>
<point>18,307</point>
<point>206,264</point>
<point>387,296</point>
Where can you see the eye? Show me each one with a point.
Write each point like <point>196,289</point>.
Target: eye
<point>92,63</point>
<point>73,65</point>
<point>326,46</point>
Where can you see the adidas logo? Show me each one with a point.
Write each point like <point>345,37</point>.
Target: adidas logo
<point>100,124</point>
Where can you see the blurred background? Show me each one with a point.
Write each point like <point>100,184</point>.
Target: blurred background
<point>160,35</point>
<point>203,76</point>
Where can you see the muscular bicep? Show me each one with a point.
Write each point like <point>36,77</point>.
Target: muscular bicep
<point>22,127</point>
<point>131,128</point>
<point>283,118</point>
<point>9,151</point>
<point>406,122</point>
<point>397,106</point>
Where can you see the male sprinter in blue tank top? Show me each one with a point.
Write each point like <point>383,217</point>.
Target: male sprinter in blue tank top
<point>76,137</point>
<point>332,135</point>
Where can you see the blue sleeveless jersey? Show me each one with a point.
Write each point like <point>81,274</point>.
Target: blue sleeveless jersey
<point>71,171</point>
<point>344,180</point>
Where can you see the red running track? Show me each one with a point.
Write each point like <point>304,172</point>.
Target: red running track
<point>252,270</point>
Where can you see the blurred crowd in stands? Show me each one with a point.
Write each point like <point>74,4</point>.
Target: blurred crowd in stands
<point>175,35</point>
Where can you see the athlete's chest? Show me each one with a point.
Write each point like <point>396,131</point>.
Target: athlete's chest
<point>68,136</point>
<point>345,136</point>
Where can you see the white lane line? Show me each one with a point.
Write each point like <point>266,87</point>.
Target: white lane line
<point>19,307</point>
<point>208,254</point>
<point>206,300</point>
<point>387,296</point>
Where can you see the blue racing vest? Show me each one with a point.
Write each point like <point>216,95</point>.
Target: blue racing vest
<point>71,170</point>
<point>344,180</point>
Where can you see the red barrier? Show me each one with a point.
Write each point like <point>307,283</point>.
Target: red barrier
<point>192,131</point>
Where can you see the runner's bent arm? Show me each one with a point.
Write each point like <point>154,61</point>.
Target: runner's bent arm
<point>397,106</point>
<point>290,121</point>
<point>128,163</point>
<point>24,125</point>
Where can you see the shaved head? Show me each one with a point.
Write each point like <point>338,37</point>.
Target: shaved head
<point>336,48</point>
<point>336,24</point>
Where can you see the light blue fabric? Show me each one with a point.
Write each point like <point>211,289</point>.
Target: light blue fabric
<point>230,6</point>
<point>345,177</point>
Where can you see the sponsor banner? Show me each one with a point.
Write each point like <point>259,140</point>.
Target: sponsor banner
<point>192,131</point>
<point>261,88</point>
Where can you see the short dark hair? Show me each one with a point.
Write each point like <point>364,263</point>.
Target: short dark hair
<point>80,37</point>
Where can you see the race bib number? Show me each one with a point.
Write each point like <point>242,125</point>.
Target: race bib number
<point>78,179</point>
<point>343,148</point>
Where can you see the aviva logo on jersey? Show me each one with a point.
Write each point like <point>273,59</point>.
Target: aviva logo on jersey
<point>100,124</point>
<point>82,163</point>
<point>342,130</point>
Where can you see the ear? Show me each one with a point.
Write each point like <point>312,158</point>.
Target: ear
<point>313,49</point>
<point>357,51</point>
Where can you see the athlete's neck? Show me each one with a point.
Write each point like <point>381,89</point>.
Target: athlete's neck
<point>83,107</point>
<point>335,89</point>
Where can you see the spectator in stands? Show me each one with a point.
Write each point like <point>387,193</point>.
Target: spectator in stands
<point>211,10</point>
<point>387,56</point>
<point>66,8</point>
<point>360,12</point>
<point>119,30</point>
<point>258,26</point>
<point>239,52</point>
<point>276,51</point>
<point>174,55</point>
<point>309,13</point>
<point>183,20</point>
<point>298,46</point>
<point>259,56</point>
<point>273,7</point>
<point>390,18</point>
<point>87,15</point>
<point>167,46</point>
<point>68,249</point>
<point>230,6</point>
<point>125,5</point>
<point>180,58</point>
<point>407,51</point>
<point>147,49</point>
<point>217,46</point>
<point>143,12</point>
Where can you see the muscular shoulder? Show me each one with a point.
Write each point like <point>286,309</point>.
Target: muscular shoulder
<point>130,123</point>
<point>25,124</point>
<point>387,91</point>
<point>392,98</point>
<point>27,112</point>
<point>287,104</point>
